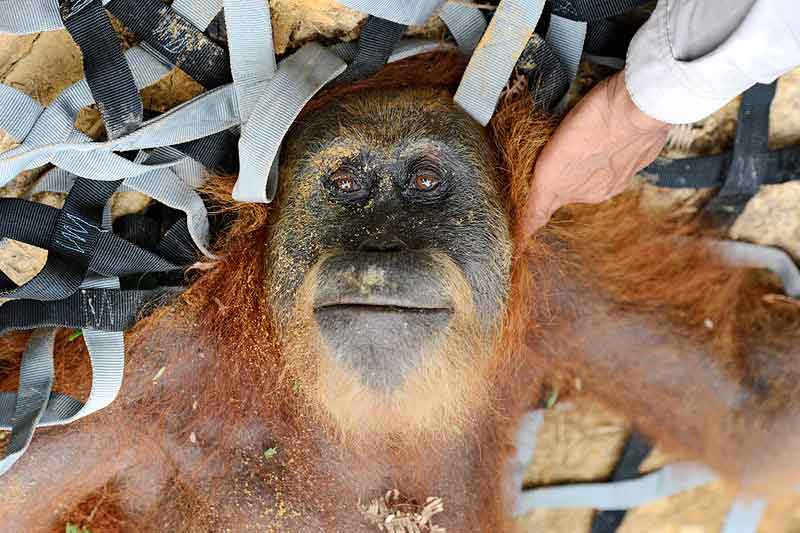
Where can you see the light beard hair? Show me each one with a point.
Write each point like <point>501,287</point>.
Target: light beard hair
<point>438,401</point>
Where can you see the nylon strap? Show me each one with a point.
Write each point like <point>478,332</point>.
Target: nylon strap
<point>566,37</point>
<point>106,352</point>
<point>744,516</point>
<point>175,39</point>
<point>106,309</point>
<point>742,171</point>
<point>31,16</point>
<point>375,45</point>
<point>747,169</point>
<point>35,404</point>
<point>199,12</point>
<point>548,80</point>
<point>408,12</point>
<point>36,382</point>
<point>297,80</point>
<point>107,72</point>
<point>173,187</point>
<point>111,256</point>
<point>19,112</point>
<point>590,10</point>
<point>70,245</point>
<point>758,256</point>
<point>465,23</point>
<point>780,166</point>
<point>662,483</point>
<point>252,57</point>
<point>633,455</point>
<point>495,57</point>
<point>526,440</point>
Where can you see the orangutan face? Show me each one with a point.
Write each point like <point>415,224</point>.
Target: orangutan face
<point>390,257</point>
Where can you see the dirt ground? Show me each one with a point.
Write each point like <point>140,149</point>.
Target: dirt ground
<point>580,441</point>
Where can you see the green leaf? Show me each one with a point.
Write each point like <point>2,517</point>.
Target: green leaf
<point>159,373</point>
<point>74,335</point>
<point>270,453</point>
<point>552,398</point>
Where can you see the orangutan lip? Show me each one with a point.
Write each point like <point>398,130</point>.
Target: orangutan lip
<point>360,306</point>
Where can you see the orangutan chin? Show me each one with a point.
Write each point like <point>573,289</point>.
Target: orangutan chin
<point>382,328</point>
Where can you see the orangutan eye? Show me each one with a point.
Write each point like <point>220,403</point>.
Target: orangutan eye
<point>426,182</point>
<point>346,184</point>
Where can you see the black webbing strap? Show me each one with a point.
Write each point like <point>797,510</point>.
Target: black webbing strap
<point>104,309</point>
<point>375,44</point>
<point>25,221</point>
<point>175,39</point>
<point>635,452</point>
<point>107,73</point>
<point>741,171</point>
<point>608,38</point>
<point>548,80</point>
<point>748,162</point>
<point>109,254</point>
<point>70,245</point>
<point>590,10</point>
<point>780,166</point>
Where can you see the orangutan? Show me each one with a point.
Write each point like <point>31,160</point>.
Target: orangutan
<point>362,352</point>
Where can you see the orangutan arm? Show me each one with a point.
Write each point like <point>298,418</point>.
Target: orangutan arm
<point>670,382</point>
<point>61,468</point>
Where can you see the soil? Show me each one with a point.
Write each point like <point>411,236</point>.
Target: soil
<point>580,441</point>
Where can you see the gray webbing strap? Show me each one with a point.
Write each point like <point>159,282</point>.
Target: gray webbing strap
<point>19,112</point>
<point>35,384</point>
<point>495,57</point>
<point>205,115</point>
<point>744,515</point>
<point>754,255</point>
<point>405,48</point>
<point>408,12</point>
<point>34,405</point>
<point>54,126</point>
<point>297,80</point>
<point>465,23</point>
<point>107,355</point>
<point>566,37</point>
<point>21,17</point>
<point>198,12</point>
<point>526,439</point>
<point>618,495</point>
<point>31,16</point>
<point>252,57</point>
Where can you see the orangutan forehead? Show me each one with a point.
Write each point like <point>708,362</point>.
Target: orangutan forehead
<point>372,153</point>
<point>385,121</point>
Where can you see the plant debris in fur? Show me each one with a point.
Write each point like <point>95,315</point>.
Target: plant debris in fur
<point>391,514</point>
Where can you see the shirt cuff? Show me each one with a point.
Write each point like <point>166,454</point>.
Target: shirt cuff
<point>659,84</point>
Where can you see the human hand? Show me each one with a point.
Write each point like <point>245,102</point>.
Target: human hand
<point>603,141</point>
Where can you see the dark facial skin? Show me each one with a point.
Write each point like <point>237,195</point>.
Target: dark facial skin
<point>379,187</point>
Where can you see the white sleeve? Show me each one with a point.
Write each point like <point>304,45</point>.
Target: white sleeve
<point>693,56</point>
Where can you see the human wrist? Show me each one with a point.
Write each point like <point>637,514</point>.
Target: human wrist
<point>633,114</point>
